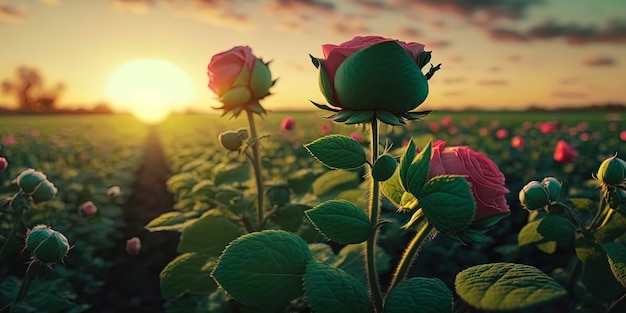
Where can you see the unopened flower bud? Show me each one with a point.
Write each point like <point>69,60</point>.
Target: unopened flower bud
<point>88,209</point>
<point>612,171</point>
<point>242,133</point>
<point>230,140</point>
<point>114,191</point>
<point>616,198</point>
<point>29,179</point>
<point>553,186</point>
<point>534,196</point>
<point>384,167</point>
<point>47,244</point>
<point>3,164</point>
<point>278,195</point>
<point>133,246</point>
<point>45,191</point>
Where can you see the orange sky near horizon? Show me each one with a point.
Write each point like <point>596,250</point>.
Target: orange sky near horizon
<point>495,54</point>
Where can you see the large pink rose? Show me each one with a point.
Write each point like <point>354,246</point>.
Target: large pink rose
<point>334,55</point>
<point>481,172</point>
<point>226,66</point>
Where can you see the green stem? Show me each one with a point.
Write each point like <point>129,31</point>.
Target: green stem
<point>257,166</point>
<point>9,238</point>
<point>569,286</point>
<point>598,216</point>
<point>576,219</point>
<point>616,304</point>
<point>374,214</point>
<point>24,287</point>
<point>411,251</point>
<point>607,218</point>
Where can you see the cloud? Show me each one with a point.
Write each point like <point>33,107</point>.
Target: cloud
<point>494,82</point>
<point>350,26</point>
<point>51,2</point>
<point>300,7</point>
<point>600,61</point>
<point>514,58</point>
<point>568,94</point>
<point>407,33</point>
<point>613,31</point>
<point>503,34</point>
<point>568,81</point>
<point>481,9</point>
<point>216,12</point>
<point>454,80</point>
<point>11,15</point>
<point>454,93</point>
<point>134,6</point>
<point>437,44</point>
<point>370,5</point>
<point>494,69</point>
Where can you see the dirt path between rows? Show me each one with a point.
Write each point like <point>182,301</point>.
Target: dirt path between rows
<point>133,281</point>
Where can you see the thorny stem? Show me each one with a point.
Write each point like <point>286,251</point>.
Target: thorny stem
<point>256,166</point>
<point>374,214</point>
<point>411,251</point>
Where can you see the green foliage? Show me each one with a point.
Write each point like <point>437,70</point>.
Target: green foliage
<point>616,254</point>
<point>613,230</point>
<point>333,182</point>
<point>340,221</point>
<point>419,295</point>
<point>548,228</point>
<point>350,259</point>
<point>506,287</point>
<point>417,173</point>
<point>174,221</point>
<point>208,235</point>
<point>189,272</point>
<point>337,152</point>
<point>448,203</point>
<point>597,274</point>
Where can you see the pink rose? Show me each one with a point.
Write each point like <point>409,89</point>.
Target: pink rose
<point>133,246</point>
<point>622,135</point>
<point>3,164</point>
<point>287,123</point>
<point>357,137</point>
<point>564,152</point>
<point>548,128</point>
<point>518,142</point>
<point>502,133</point>
<point>446,121</point>
<point>88,209</point>
<point>481,172</point>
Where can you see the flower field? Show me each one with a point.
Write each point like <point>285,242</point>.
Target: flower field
<point>207,199</point>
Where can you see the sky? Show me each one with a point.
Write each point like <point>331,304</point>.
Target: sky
<point>495,54</point>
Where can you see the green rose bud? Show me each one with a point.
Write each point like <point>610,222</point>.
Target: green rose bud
<point>384,167</point>
<point>534,196</point>
<point>278,195</point>
<point>423,59</point>
<point>553,186</point>
<point>612,171</point>
<point>230,140</point>
<point>46,244</point>
<point>616,198</point>
<point>45,191</point>
<point>29,179</point>
<point>242,133</point>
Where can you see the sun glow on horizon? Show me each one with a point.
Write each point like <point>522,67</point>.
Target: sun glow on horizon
<point>149,88</point>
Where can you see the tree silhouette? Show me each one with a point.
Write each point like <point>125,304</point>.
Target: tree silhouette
<point>28,88</point>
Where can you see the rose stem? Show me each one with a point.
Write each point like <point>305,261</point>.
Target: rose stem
<point>256,166</point>
<point>24,287</point>
<point>374,205</point>
<point>576,219</point>
<point>411,252</point>
<point>9,238</point>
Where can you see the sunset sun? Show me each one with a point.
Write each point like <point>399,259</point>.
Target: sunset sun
<point>149,88</point>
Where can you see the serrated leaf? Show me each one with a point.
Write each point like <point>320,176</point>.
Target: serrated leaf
<point>417,173</point>
<point>419,295</point>
<point>337,152</point>
<point>330,289</point>
<point>340,221</point>
<point>173,221</point>
<point>616,254</point>
<point>334,182</point>
<point>208,235</point>
<point>350,259</point>
<point>554,227</point>
<point>506,286</point>
<point>596,273</point>
<point>270,262</point>
<point>611,231</point>
<point>392,188</point>
<point>448,203</point>
<point>189,272</point>
<point>405,163</point>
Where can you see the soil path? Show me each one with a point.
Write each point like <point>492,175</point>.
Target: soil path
<point>133,282</point>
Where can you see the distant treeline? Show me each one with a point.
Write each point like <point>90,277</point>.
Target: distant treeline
<point>613,107</point>
<point>99,109</point>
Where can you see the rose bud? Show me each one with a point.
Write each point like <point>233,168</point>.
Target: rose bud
<point>534,196</point>
<point>240,80</point>
<point>518,142</point>
<point>502,133</point>
<point>88,209</point>
<point>616,198</point>
<point>46,244</point>
<point>287,123</point>
<point>230,140</point>
<point>612,171</point>
<point>133,246</point>
<point>278,195</point>
<point>114,191</point>
<point>242,133</point>
<point>553,186</point>
<point>384,167</point>
<point>564,152</point>
<point>3,164</point>
<point>29,179</point>
<point>45,191</point>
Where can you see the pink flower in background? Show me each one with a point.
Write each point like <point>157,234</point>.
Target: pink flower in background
<point>487,181</point>
<point>548,128</point>
<point>433,126</point>
<point>582,126</point>
<point>473,120</point>
<point>453,130</point>
<point>502,133</point>
<point>484,131</point>
<point>88,209</point>
<point>518,142</point>
<point>612,126</point>
<point>494,124</point>
<point>133,246</point>
<point>326,129</point>
<point>622,135</point>
<point>584,137</point>
<point>9,140</point>
<point>357,137</point>
<point>3,164</point>
<point>287,123</point>
<point>564,152</point>
<point>527,125</point>
<point>573,131</point>
<point>446,121</point>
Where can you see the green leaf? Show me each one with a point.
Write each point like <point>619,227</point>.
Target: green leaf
<point>174,221</point>
<point>611,231</point>
<point>448,203</point>
<point>270,262</point>
<point>360,117</point>
<point>350,259</point>
<point>342,116</point>
<point>405,163</point>
<point>529,234</point>
<point>417,173</point>
<point>334,182</point>
<point>330,289</point>
<point>353,195</point>
<point>189,272</point>
<point>419,295</point>
<point>389,118</point>
<point>231,173</point>
<point>584,204</point>
<point>506,286</point>
<point>616,254</point>
<point>392,188</point>
<point>301,180</point>
<point>337,152</point>
<point>208,235</point>
<point>340,221</point>
<point>554,227</point>
<point>324,83</point>
<point>596,273</point>
<point>289,217</point>
<point>548,247</point>
<point>323,252</point>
